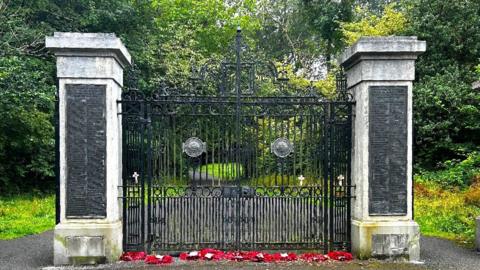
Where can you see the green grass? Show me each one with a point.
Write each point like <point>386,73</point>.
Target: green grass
<point>444,213</point>
<point>224,171</point>
<point>26,214</point>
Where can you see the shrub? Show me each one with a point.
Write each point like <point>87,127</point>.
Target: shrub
<point>454,173</point>
<point>26,130</point>
<point>472,196</point>
<point>446,119</point>
<point>444,213</point>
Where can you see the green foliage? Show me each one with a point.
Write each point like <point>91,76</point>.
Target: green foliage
<point>391,22</point>
<point>446,118</point>
<point>323,18</point>
<point>222,171</point>
<point>445,214</point>
<point>26,131</point>
<point>26,214</point>
<point>451,30</point>
<point>446,110</point>
<point>454,173</point>
<point>167,37</point>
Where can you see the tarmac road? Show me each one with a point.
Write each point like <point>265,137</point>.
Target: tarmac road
<point>36,252</point>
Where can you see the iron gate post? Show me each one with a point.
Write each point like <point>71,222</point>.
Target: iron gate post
<point>90,76</point>
<point>380,71</point>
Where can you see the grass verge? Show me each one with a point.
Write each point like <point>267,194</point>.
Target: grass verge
<point>445,213</point>
<point>26,214</point>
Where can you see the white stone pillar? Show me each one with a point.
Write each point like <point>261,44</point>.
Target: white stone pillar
<point>90,74</point>
<point>380,71</point>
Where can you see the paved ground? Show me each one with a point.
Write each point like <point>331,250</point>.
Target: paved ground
<point>30,252</point>
<point>35,252</point>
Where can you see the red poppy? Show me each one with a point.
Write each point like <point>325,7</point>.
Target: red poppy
<point>284,257</point>
<point>340,255</point>
<point>313,257</point>
<point>237,256</point>
<point>158,259</point>
<point>190,256</point>
<point>257,256</point>
<point>211,254</point>
<point>133,256</point>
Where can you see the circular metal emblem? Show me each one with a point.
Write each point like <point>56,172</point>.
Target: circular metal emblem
<point>282,147</point>
<point>194,147</point>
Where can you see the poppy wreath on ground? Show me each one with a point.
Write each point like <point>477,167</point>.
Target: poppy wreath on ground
<point>211,254</point>
<point>256,256</point>
<point>239,256</point>
<point>286,257</point>
<point>313,257</point>
<point>133,256</point>
<point>190,256</point>
<point>340,256</point>
<point>158,259</point>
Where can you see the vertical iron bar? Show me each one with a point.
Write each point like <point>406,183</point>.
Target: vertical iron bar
<point>142,178</point>
<point>149,178</point>
<point>325,178</point>
<point>238,75</point>
<point>331,175</point>
<point>349,144</point>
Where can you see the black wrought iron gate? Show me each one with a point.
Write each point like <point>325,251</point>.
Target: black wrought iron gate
<point>257,165</point>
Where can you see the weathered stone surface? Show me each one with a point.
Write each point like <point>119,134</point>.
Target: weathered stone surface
<point>385,239</point>
<point>382,143</point>
<point>388,150</point>
<point>389,245</point>
<point>382,47</point>
<point>382,59</point>
<point>90,144</point>
<point>84,44</point>
<point>86,151</point>
<point>85,246</point>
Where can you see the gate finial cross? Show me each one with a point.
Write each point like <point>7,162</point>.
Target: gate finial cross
<point>135,175</point>
<point>301,178</point>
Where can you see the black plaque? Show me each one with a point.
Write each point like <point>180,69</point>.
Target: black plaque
<point>85,151</point>
<point>388,150</point>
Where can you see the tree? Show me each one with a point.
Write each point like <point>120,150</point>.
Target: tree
<point>390,22</point>
<point>323,17</point>
<point>447,111</point>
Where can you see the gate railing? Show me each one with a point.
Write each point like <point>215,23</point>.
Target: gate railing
<point>236,170</point>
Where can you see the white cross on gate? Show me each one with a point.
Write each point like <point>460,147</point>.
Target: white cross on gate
<point>135,175</point>
<point>340,179</point>
<point>301,178</point>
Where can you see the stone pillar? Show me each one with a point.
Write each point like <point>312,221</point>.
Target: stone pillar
<point>90,75</point>
<point>380,71</point>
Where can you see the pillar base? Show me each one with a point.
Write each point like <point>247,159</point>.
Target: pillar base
<point>386,239</point>
<point>86,242</point>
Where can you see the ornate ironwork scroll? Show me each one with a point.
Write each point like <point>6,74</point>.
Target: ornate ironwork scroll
<point>276,174</point>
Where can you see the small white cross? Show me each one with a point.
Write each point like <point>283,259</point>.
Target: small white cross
<point>301,178</point>
<point>135,175</point>
<point>340,179</point>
